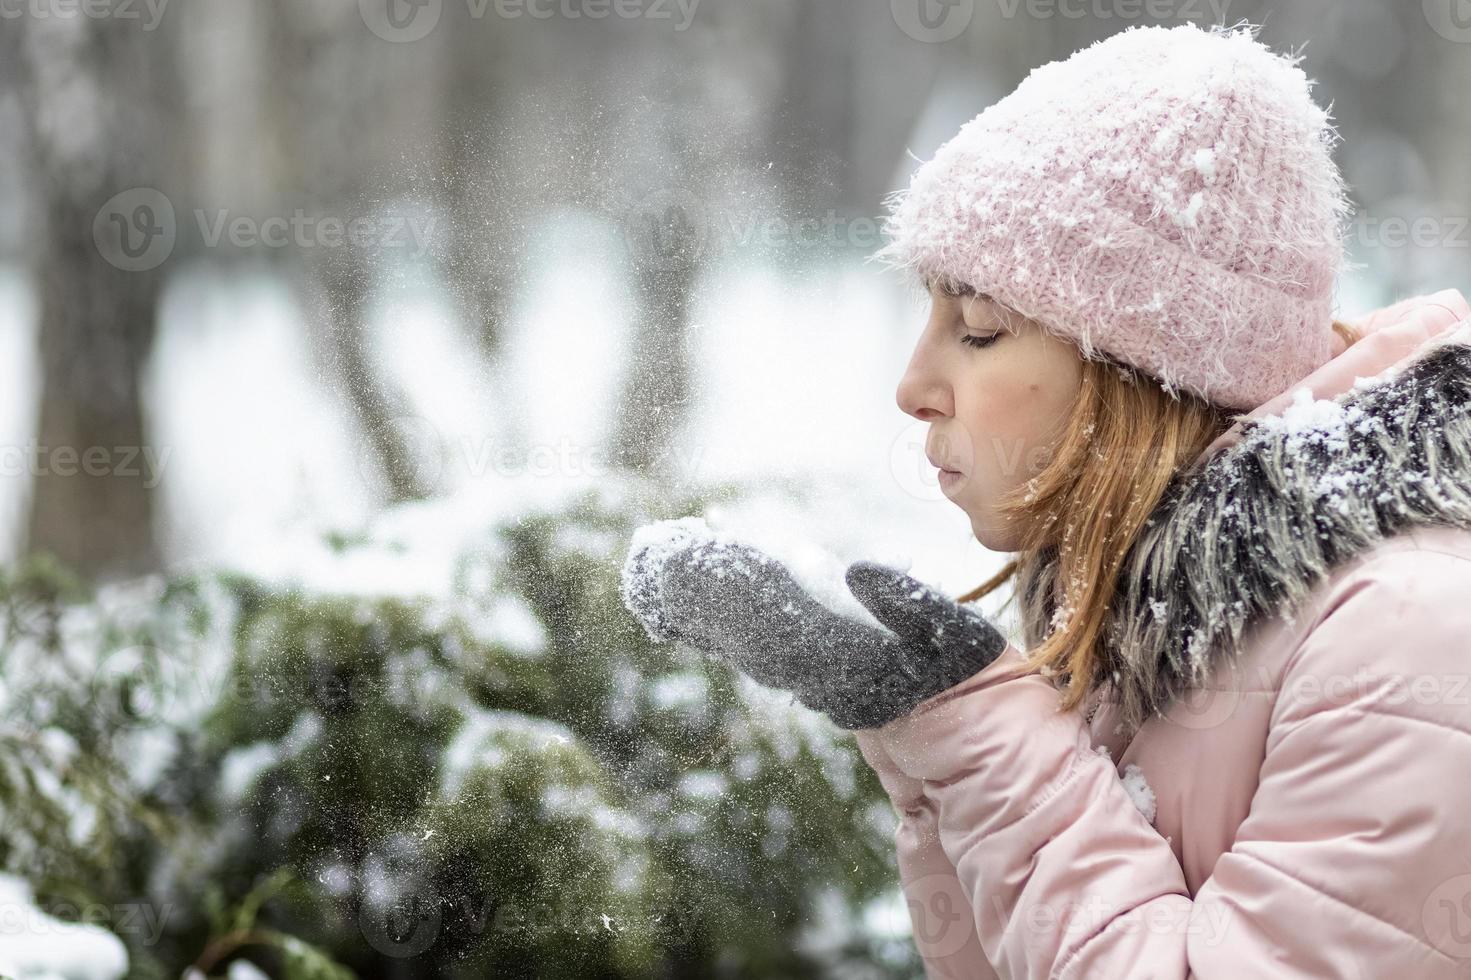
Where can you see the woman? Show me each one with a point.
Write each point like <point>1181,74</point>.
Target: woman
<point>1238,743</point>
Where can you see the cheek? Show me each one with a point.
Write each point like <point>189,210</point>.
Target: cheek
<point>1013,425</point>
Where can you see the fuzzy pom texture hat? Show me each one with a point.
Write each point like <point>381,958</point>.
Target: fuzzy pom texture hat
<point>1165,196</point>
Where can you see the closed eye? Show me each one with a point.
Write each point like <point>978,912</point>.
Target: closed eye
<point>976,340</point>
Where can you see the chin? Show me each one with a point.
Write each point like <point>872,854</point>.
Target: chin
<point>993,538</point>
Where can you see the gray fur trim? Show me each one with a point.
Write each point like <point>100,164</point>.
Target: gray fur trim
<point>1254,529</point>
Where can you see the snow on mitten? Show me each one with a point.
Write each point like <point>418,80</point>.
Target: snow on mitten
<point>729,600</point>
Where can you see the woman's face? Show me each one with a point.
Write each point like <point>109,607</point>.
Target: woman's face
<point>996,389</point>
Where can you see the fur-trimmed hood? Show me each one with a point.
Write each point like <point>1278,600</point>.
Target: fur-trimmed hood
<point>1298,487</point>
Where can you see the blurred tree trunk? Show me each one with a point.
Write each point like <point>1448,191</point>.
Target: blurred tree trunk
<point>337,86</point>
<point>669,230</point>
<point>96,90</point>
<point>485,208</point>
<point>656,388</point>
<point>334,289</point>
<point>816,120</point>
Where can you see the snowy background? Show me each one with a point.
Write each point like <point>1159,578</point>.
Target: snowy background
<point>617,272</point>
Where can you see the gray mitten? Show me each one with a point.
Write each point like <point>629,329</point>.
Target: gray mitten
<point>727,599</point>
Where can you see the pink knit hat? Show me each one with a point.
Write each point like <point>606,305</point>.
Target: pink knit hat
<point>1165,196</point>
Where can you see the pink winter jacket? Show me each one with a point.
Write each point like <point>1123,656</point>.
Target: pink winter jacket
<point>1304,811</point>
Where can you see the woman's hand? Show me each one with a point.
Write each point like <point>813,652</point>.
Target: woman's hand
<point>729,600</point>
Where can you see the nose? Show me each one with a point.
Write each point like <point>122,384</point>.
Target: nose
<point>923,391</point>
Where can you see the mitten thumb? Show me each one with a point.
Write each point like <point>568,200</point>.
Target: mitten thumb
<point>920,614</point>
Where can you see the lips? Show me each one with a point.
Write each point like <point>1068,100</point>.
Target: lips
<point>938,464</point>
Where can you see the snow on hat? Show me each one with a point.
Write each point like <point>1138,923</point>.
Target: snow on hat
<point>1164,196</point>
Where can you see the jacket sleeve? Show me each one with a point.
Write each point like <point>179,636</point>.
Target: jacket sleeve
<point>1352,861</point>
<point>939,911</point>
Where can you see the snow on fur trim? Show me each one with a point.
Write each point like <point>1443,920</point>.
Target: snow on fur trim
<point>1165,196</point>
<point>1251,531</point>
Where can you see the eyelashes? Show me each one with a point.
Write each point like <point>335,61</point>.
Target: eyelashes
<point>971,340</point>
